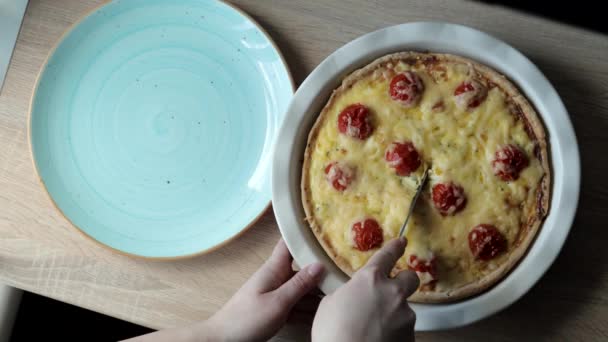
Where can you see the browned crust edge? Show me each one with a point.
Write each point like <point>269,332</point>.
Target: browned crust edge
<point>525,111</point>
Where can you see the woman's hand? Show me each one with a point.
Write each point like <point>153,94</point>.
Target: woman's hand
<point>371,306</point>
<point>258,309</point>
<point>261,307</point>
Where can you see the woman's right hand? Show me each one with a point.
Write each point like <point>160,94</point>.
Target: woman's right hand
<point>372,306</point>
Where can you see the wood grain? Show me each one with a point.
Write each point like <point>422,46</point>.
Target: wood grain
<point>42,253</point>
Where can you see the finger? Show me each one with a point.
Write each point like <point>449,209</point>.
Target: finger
<point>309,303</point>
<point>300,284</point>
<point>303,312</point>
<point>388,255</point>
<point>316,292</point>
<point>280,253</point>
<point>408,281</point>
<point>275,271</point>
<point>301,318</point>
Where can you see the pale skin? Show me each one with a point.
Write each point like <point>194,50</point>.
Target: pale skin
<point>263,304</point>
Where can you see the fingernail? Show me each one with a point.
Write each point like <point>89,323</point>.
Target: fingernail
<point>403,240</point>
<point>315,270</point>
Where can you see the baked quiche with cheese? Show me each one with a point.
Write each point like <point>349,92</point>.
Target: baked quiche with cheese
<point>487,155</point>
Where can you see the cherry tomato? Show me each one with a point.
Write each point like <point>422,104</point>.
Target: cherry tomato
<point>486,242</point>
<point>406,88</point>
<point>426,269</point>
<point>339,175</point>
<point>367,234</point>
<point>355,121</point>
<point>449,198</point>
<point>403,157</point>
<point>508,162</point>
<point>470,94</point>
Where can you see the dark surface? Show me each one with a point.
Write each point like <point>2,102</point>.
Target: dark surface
<point>582,13</point>
<point>43,319</point>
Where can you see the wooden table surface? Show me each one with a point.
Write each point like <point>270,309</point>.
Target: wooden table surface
<point>40,251</point>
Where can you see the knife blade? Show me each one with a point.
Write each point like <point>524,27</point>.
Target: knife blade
<point>413,204</point>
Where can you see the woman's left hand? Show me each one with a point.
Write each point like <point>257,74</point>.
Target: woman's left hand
<point>262,305</point>
<point>257,310</point>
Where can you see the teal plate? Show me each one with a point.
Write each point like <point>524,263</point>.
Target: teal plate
<point>153,121</point>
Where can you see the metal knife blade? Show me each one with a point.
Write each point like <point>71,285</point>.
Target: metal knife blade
<point>418,192</point>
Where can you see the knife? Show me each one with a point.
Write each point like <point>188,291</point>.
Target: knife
<point>418,192</point>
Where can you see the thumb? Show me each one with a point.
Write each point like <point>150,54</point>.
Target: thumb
<point>300,284</point>
<point>388,255</point>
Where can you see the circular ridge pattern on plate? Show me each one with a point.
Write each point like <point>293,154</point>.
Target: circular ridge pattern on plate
<point>153,121</point>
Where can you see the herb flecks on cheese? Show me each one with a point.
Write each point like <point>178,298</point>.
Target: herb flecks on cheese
<point>457,142</point>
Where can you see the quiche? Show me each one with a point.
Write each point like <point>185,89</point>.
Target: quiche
<point>487,155</point>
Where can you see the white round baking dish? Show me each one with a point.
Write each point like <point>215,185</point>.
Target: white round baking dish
<point>434,37</point>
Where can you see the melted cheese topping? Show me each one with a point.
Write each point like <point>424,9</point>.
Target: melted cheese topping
<point>458,144</point>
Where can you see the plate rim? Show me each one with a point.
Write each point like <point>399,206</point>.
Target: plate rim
<point>41,71</point>
<point>467,311</point>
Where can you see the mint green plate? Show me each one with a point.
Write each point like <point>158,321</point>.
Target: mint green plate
<point>152,124</point>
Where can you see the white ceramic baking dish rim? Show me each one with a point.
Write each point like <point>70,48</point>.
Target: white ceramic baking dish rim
<point>436,37</point>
